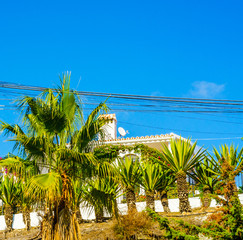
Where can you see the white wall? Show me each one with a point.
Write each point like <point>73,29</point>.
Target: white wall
<point>88,213</point>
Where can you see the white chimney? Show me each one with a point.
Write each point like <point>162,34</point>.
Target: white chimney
<point>110,127</point>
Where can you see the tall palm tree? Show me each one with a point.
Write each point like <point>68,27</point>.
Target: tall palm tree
<point>181,159</point>
<point>58,139</point>
<point>128,172</point>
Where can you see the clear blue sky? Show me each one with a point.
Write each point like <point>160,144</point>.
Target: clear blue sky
<point>161,48</point>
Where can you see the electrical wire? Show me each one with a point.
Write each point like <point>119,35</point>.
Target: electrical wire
<point>179,130</point>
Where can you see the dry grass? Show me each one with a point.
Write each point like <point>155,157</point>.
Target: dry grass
<point>135,223</point>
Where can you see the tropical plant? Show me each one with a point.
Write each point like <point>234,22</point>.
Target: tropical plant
<point>167,180</point>
<point>58,139</point>
<point>9,190</point>
<point>22,169</point>
<point>230,159</point>
<point>206,179</point>
<point>101,194</point>
<point>128,172</point>
<point>181,158</point>
<point>150,181</point>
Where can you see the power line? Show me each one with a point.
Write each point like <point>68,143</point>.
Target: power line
<point>180,130</point>
<point>212,139</point>
<point>130,96</point>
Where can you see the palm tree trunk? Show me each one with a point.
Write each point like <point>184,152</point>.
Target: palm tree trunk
<point>131,200</point>
<point>99,214</point>
<point>8,215</point>
<point>182,191</point>
<point>26,218</point>
<point>206,199</point>
<point>64,224</point>
<point>79,216</point>
<point>150,200</point>
<point>164,201</point>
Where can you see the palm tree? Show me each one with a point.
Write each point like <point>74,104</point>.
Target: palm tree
<point>77,198</point>
<point>181,159</point>
<point>227,165</point>
<point>101,194</point>
<point>9,190</point>
<point>128,172</point>
<point>167,179</point>
<point>22,169</point>
<point>58,139</point>
<point>207,180</point>
<point>150,181</point>
<point>26,201</point>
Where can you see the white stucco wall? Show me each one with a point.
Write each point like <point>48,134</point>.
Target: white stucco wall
<point>88,213</point>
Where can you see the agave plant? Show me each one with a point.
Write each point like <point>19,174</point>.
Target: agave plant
<point>181,159</point>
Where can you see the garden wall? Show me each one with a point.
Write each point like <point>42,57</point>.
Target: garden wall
<point>88,214</point>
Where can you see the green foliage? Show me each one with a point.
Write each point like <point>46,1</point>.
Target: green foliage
<point>10,191</point>
<point>171,233</point>
<point>178,229</point>
<point>151,176</point>
<point>111,152</point>
<point>128,171</point>
<point>57,139</point>
<point>182,155</point>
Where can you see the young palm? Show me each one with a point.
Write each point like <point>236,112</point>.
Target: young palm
<point>128,172</point>
<point>101,194</point>
<point>23,169</point>
<point>26,201</point>
<point>181,159</point>
<point>207,180</point>
<point>227,165</point>
<point>167,179</point>
<point>9,190</point>
<point>150,180</point>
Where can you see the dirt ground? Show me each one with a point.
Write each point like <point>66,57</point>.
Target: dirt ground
<point>103,231</point>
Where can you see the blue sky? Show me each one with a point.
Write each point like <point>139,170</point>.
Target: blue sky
<point>161,48</point>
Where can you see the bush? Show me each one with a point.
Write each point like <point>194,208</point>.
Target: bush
<point>132,224</point>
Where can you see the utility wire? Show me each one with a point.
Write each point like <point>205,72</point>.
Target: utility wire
<point>129,96</point>
<point>212,139</point>
<point>179,130</point>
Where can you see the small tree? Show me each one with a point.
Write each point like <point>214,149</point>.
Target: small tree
<point>181,159</point>
<point>167,180</point>
<point>9,190</point>
<point>205,177</point>
<point>128,172</point>
<point>150,180</point>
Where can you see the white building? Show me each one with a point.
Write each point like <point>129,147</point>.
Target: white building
<point>152,141</point>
